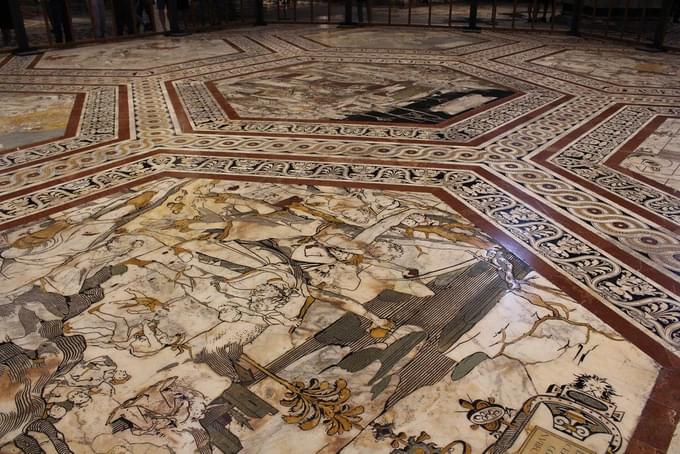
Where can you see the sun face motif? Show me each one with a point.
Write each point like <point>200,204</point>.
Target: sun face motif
<point>594,385</point>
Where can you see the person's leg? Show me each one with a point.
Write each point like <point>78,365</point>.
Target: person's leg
<point>160,6</point>
<point>116,17</point>
<point>149,9</point>
<point>230,9</point>
<point>129,18</point>
<point>54,13</point>
<point>65,22</point>
<point>204,18</point>
<point>138,7</point>
<point>360,11</point>
<point>215,12</point>
<point>96,20</point>
<point>102,16</point>
<point>183,13</point>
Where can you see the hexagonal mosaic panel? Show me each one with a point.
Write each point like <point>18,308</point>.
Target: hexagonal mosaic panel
<point>165,315</point>
<point>362,92</point>
<point>137,54</point>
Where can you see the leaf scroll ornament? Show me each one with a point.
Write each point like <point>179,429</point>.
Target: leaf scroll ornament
<point>321,402</point>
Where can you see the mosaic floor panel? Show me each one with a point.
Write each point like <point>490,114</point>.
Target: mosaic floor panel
<point>317,240</point>
<point>28,119</point>
<point>658,157</point>
<point>390,93</point>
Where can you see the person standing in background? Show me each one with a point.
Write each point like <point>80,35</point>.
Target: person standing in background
<point>98,11</point>
<point>361,5</point>
<point>535,9</point>
<point>160,6</point>
<point>60,21</point>
<point>183,7</point>
<point>6,24</point>
<point>225,11</point>
<point>145,6</point>
<point>122,11</point>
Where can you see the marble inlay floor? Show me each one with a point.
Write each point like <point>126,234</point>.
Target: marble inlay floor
<point>658,157</point>
<point>300,239</point>
<point>139,54</point>
<point>622,67</point>
<point>392,93</point>
<point>31,118</point>
<point>396,39</point>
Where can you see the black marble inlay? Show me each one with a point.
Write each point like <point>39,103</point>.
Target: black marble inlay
<point>421,111</point>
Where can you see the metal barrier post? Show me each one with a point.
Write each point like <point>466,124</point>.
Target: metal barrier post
<point>552,16</point>
<point>450,12</point>
<point>576,18</point>
<point>472,20</point>
<point>662,28</point>
<point>20,30</point>
<point>624,25</point>
<point>609,18</point>
<point>348,14</point>
<point>259,13</point>
<point>642,24</point>
<point>429,13</point>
